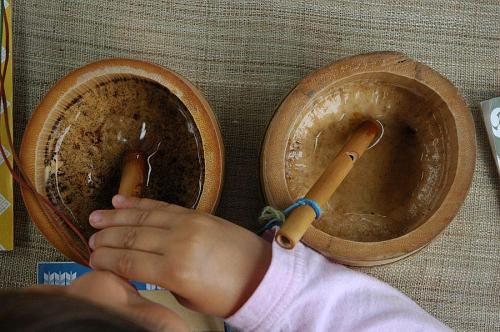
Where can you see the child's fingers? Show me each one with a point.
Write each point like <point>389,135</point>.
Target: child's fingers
<point>155,317</point>
<point>133,217</point>
<point>148,239</point>
<point>131,264</point>
<point>122,202</point>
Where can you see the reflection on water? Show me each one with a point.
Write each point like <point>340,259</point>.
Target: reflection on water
<point>83,158</point>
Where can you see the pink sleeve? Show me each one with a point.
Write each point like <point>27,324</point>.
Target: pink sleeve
<point>303,291</point>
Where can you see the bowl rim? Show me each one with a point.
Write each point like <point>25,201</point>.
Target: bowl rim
<point>273,182</point>
<point>190,96</point>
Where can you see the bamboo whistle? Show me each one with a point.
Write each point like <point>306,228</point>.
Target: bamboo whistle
<point>300,219</point>
<point>132,180</point>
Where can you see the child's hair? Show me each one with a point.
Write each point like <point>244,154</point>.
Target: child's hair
<point>31,311</point>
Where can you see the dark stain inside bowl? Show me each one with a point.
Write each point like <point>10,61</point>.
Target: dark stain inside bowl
<point>108,117</point>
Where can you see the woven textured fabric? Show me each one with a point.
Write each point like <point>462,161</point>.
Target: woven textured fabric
<point>245,56</point>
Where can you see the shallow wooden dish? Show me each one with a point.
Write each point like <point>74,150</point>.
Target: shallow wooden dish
<point>74,143</point>
<point>405,190</point>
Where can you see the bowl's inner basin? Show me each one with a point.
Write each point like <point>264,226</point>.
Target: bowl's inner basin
<point>90,132</point>
<point>396,185</point>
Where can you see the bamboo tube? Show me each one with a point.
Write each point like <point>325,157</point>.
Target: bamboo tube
<point>132,179</point>
<point>301,218</point>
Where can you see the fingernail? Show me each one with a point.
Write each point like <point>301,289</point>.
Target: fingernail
<point>95,218</point>
<point>118,199</point>
<point>92,241</point>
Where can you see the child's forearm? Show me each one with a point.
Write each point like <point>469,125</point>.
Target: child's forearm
<point>303,291</point>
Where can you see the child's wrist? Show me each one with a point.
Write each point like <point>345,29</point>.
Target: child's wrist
<point>250,277</point>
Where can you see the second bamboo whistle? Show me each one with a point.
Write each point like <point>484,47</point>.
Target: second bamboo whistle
<point>299,220</point>
<point>132,180</point>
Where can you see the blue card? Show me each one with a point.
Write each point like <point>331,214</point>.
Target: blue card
<point>63,273</point>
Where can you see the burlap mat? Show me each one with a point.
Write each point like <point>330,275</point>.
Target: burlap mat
<point>245,56</point>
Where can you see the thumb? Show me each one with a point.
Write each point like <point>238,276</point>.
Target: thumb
<point>153,315</point>
<point>107,289</point>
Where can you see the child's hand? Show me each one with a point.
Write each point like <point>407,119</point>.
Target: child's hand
<point>210,264</point>
<point>113,292</point>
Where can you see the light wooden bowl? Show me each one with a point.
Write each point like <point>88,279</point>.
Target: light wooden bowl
<point>405,190</point>
<point>87,121</point>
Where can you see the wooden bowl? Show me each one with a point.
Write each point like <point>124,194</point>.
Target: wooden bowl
<point>405,190</point>
<point>73,146</point>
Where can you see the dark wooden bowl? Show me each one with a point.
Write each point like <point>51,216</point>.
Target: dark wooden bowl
<point>74,143</point>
